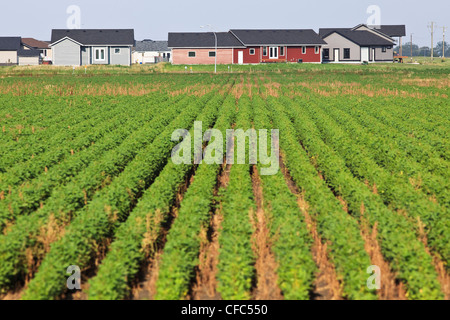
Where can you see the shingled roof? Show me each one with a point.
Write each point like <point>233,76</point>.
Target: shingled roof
<point>278,37</point>
<point>151,46</point>
<point>33,43</point>
<point>392,30</point>
<point>9,43</point>
<point>203,40</point>
<point>96,36</point>
<point>361,38</point>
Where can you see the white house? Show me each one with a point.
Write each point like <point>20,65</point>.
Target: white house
<point>149,51</point>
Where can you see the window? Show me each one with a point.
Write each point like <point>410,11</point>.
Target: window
<point>303,50</point>
<point>389,47</point>
<point>346,53</point>
<point>117,51</point>
<point>212,54</point>
<point>273,53</point>
<point>281,51</point>
<point>316,50</point>
<point>100,54</point>
<point>252,52</point>
<point>168,55</point>
<point>191,54</point>
<point>384,49</point>
<point>326,54</point>
<point>264,51</point>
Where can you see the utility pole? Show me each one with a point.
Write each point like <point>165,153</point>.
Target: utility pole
<point>443,42</point>
<point>411,47</point>
<point>431,27</point>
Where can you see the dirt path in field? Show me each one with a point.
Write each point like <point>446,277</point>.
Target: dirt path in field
<point>326,285</point>
<point>443,276</point>
<point>205,286</point>
<point>266,265</point>
<point>144,287</point>
<point>391,288</point>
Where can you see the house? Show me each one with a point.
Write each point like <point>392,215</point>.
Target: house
<point>359,44</point>
<point>78,47</point>
<point>199,47</point>
<point>42,46</point>
<point>247,46</point>
<point>13,52</point>
<point>149,51</point>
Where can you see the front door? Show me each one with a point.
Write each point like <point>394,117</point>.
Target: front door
<point>364,54</point>
<point>273,53</point>
<point>373,54</point>
<point>241,57</point>
<point>336,55</point>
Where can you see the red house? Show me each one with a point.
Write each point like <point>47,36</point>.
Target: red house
<point>247,47</point>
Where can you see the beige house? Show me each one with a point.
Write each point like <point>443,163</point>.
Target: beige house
<point>43,47</point>
<point>361,44</point>
<point>13,52</point>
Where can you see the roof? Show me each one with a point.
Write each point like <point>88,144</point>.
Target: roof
<point>9,43</point>
<point>150,45</point>
<point>96,36</point>
<point>202,40</point>
<point>28,53</point>
<point>33,43</point>
<point>392,30</point>
<point>278,37</point>
<point>361,38</point>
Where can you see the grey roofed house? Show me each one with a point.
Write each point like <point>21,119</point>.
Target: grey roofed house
<point>355,45</point>
<point>92,46</point>
<point>203,40</point>
<point>12,51</point>
<point>294,37</point>
<point>362,38</point>
<point>150,51</point>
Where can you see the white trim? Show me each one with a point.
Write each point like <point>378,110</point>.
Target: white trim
<point>65,38</point>
<point>316,50</point>
<point>303,49</point>
<point>100,50</point>
<point>120,51</point>
<point>250,51</point>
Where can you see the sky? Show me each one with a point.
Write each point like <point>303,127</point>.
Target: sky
<point>154,19</point>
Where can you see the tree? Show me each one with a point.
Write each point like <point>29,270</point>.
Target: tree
<point>407,49</point>
<point>439,49</point>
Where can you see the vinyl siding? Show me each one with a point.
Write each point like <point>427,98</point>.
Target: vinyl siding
<point>66,53</point>
<point>336,41</point>
<point>28,61</point>
<point>8,57</point>
<point>123,58</point>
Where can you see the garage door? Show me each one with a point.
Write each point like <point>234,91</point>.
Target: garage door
<point>28,61</point>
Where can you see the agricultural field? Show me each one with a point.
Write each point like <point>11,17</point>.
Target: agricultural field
<point>87,180</point>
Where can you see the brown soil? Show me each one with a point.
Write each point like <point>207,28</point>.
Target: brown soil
<point>327,285</point>
<point>266,265</point>
<point>391,289</point>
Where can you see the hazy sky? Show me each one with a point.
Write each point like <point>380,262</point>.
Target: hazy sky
<point>154,19</point>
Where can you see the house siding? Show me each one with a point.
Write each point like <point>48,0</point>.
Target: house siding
<point>28,61</point>
<point>66,53</point>
<point>384,56</point>
<point>296,53</point>
<point>180,56</point>
<point>336,41</point>
<point>248,58</point>
<point>123,58</point>
<point>85,56</point>
<point>7,57</point>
